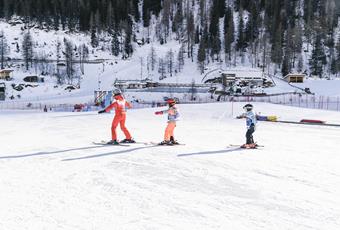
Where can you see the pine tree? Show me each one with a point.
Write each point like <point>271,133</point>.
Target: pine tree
<point>318,59</point>
<point>58,75</point>
<point>27,49</point>
<point>285,66</point>
<point>94,39</point>
<point>128,50</point>
<point>166,19</point>
<point>201,56</point>
<point>69,58</point>
<point>190,34</point>
<point>115,49</point>
<point>177,22</point>
<point>228,33</point>
<point>240,42</point>
<point>214,38</point>
<point>337,61</point>
<point>4,49</point>
<point>276,50</point>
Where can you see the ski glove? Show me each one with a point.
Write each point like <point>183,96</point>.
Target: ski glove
<point>101,111</point>
<point>159,113</point>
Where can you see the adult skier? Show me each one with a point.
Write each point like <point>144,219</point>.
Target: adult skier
<point>173,116</point>
<point>119,105</point>
<point>251,124</point>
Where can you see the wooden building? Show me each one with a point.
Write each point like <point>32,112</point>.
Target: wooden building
<point>5,74</point>
<point>295,78</point>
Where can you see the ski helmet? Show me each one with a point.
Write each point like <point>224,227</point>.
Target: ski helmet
<point>171,101</point>
<point>117,92</point>
<point>248,107</point>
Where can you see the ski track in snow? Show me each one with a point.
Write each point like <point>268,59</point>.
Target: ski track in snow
<point>54,178</point>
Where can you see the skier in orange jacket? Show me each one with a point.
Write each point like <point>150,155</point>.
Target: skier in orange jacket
<point>119,104</point>
<point>173,115</point>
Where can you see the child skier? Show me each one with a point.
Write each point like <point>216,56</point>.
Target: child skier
<point>173,115</point>
<point>251,124</point>
<point>119,104</point>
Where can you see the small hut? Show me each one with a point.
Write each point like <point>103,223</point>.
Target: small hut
<point>5,74</point>
<point>295,77</point>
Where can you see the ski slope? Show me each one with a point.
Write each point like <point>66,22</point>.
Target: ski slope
<point>52,177</point>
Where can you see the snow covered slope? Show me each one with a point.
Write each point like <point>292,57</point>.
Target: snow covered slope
<point>54,178</point>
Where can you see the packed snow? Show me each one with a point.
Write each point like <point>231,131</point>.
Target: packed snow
<point>53,177</point>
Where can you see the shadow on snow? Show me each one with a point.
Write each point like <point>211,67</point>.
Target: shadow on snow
<point>227,150</point>
<point>107,154</point>
<point>48,153</point>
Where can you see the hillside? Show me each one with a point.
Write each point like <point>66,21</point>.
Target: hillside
<point>276,36</point>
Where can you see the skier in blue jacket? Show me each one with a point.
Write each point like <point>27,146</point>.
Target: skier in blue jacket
<point>251,125</point>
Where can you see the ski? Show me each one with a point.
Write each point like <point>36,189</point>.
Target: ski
<point>159,144</point>
<point>108,144</point>
<point>140,142</point>
<point>241,147</point>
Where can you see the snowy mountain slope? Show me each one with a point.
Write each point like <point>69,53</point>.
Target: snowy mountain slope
<point>54,178</point>
<point>102,75</point>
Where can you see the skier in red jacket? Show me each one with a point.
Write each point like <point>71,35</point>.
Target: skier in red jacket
<point>119,104</point>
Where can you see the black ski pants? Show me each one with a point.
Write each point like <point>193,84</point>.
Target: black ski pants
<point>249,134</point>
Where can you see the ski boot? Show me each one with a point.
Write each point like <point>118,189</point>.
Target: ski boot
<point>128,141</point>
<point>173,141</point>
<point>166,143</point>
<point>248,146</point>
<point>113,142</point>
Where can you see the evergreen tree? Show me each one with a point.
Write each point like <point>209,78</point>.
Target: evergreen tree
<point>190,34</point>
<point>337,59</point>
<point>94,39</point>
<point>128,50</point>
<point>27,49</point>
<point>115,49</point>
<point>177,22</point>
<point>240,43</point>
<point>318,59</point>
<point>276,50</point>
<point>69,58</point>
<point>214,38</point>
<point>201,56</point>
<point>285,66</point>
<point>228,33</point>
<point>4,49</point>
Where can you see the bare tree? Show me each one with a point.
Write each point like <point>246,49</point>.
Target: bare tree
<point>180,58</point>
<point>152,57</point>
<point>161,69</point>
<point>83,56</point>
<point>170,60</point>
